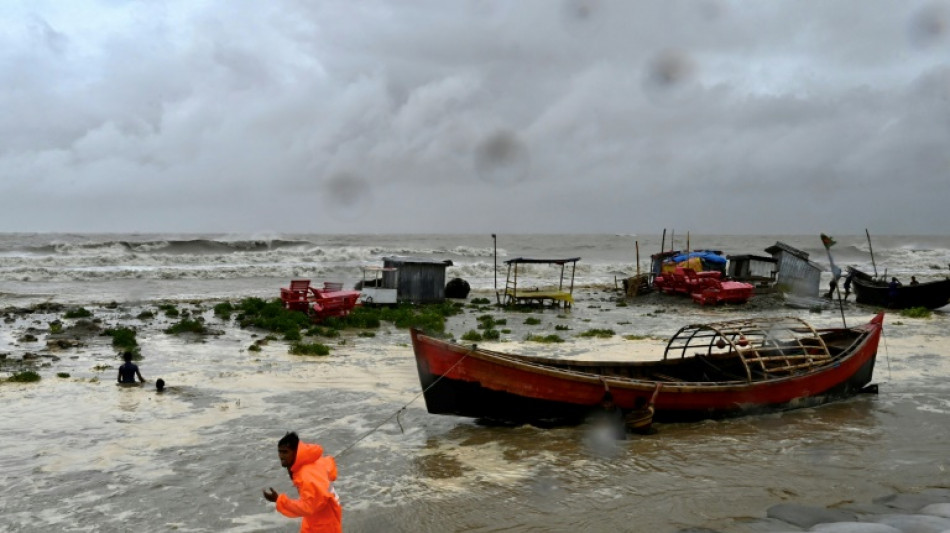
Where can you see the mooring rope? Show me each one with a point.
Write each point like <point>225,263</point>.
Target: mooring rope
<point>403,408</point>
<point>887,353</point>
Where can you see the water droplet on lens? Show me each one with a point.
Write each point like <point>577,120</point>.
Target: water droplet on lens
<point>347,195</point>
<point>583,18</point>
<point>502,159</point>
<point>669,76</point>
<point>580,10</point>
<point>930,25</point>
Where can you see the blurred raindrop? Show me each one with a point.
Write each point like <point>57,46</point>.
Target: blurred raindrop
<point>502,159</point>
<point>583,18</point>
<point>930,25</point>
<point>712,10</point>
<point>669,76</point>
<point>580,10</point>
<point>348,196</point>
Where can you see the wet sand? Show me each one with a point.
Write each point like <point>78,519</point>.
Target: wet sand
<point>81,452</point>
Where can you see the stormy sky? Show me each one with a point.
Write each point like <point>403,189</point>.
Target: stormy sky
<point>529,116</point>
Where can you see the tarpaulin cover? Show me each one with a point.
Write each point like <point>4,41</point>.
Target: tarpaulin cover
<point>702,255</point>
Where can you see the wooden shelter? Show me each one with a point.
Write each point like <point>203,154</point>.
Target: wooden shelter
<point>418,281</point>
<point>758,270</point>
<point>515,294</point>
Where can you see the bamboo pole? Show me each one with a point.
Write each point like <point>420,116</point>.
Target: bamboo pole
<point>872,251</point>
<point>637,243</point>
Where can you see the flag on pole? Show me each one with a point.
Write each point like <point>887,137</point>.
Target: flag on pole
<point>827,241</point>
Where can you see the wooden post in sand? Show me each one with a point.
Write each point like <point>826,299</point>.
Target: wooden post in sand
<point>495,244</point>
<point>637,243</point>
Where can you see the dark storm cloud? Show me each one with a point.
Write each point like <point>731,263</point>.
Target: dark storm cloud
<point>577,115</point>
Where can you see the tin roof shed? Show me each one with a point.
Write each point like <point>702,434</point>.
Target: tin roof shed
<point>796,273</point>
<point>419,280</point>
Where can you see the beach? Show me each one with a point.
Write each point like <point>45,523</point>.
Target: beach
<point>81,453</point>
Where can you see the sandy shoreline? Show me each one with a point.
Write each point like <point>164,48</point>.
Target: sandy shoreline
<point>231,402</point>
<point>641,327</point>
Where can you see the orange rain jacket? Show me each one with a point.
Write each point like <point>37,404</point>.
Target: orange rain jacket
<point>313,475</point>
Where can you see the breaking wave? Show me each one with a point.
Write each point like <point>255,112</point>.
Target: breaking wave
<point>63,258</point>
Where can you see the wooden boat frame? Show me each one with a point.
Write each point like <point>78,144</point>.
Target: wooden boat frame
<point>707,371</point>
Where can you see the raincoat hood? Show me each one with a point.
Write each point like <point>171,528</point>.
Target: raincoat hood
<point>307,453</point>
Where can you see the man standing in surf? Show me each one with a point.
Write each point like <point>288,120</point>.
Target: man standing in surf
<point>128,371</point>
<point>313,474</point>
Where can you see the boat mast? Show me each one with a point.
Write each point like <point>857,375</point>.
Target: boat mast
<point>872,251</point>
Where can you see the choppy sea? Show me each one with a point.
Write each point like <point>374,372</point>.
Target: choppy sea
<point>131,267</point>
<point>78,453</point>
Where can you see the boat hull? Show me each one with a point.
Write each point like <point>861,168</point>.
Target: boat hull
<point>470,382</point>
<point>931,294</point>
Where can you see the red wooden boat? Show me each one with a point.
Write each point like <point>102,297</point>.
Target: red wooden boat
<point>707,371</point>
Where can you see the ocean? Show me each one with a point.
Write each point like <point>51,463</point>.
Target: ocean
<point>82,454</point>
<point>142,267</point>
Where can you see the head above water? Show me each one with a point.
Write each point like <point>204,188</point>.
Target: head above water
<point>127,356</point>
<point>287,449</point>
<point>160,384</point>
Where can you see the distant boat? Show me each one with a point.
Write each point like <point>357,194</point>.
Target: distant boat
<point>707,371</point>
<point>877,292</point>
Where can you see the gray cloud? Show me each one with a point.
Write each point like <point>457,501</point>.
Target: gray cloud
<point>577,115</point>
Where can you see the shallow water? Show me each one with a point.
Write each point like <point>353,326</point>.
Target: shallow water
<point>82,454</point>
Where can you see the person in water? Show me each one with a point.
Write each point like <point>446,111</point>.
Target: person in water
<point>129,370</point>
<point>610,417</point>
<point>832,286</point>
<point>160,385</point>
<point>313,474</point>
<point>640,418</point>
<point>892,292</point>
<point>847,284</point>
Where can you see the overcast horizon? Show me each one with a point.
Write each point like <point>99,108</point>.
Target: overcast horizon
<point>714,117</point>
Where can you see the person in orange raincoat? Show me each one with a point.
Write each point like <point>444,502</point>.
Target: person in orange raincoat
<point>313,474</point>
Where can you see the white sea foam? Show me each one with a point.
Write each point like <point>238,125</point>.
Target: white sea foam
<point>31,262</point>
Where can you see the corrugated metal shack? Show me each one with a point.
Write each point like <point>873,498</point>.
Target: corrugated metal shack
<point>796,273</point>
<point>419,280</point>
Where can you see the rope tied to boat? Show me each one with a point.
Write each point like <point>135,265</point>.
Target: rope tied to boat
<point>407,404</point>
